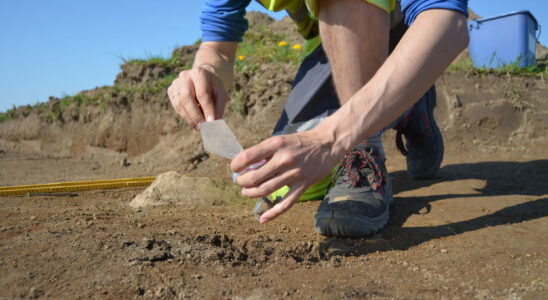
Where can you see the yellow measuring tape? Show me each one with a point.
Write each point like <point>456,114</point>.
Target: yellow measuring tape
<point>64,187</point>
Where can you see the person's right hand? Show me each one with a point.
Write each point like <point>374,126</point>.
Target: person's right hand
<point>198,95</point>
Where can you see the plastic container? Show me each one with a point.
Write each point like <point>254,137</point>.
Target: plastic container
<point>505,39</point>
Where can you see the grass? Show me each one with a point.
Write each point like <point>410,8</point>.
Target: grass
<point>79,99</point>
<point>464,64</point>
<point>9,114</point>
<point>150,60</point>
<point>261,46</point>
<point>517,99</point>
<point>237,102</point>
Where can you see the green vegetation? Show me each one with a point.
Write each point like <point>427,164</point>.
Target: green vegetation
<point>156,61</point>
<point>261,46</point>
<point>237,102</point>
<point>464,64</point>
<point>517,99</point>
<point>151,60</point>
<point>10,113</point>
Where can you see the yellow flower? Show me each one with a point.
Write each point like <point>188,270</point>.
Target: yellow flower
<point>297,47</point>
<point>282,43</point>
<point>241,57</point>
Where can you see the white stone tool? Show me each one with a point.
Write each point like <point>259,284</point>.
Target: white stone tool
<point>218,139</point>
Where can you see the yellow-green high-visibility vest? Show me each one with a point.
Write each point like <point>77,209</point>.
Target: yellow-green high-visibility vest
<point>304,13</point>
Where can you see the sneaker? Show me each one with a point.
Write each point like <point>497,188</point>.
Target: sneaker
<point>424,144</point>
<point>359,197</point>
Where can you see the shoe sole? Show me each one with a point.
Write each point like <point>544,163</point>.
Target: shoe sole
<point>433,170</point>
<point>329,224</point>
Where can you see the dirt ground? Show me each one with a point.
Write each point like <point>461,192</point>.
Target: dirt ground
<point>478,231</point>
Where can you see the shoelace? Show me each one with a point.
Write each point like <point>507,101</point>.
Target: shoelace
<point>350,167</point>
<point>399,132</point>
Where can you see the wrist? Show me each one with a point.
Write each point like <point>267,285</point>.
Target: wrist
<point>332,142</point>
<point>349,126</point>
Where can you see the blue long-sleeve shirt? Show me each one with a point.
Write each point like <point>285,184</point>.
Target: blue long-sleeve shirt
<point>223,20</point>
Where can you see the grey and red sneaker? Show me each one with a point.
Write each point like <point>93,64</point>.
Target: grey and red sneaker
<point>359,196</point>
<point>424,144</point>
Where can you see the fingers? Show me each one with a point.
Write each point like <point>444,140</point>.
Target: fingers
<point>204,93</point>
<point>198,95</point>
<point>182,96</point>
<point>263,150</point>
<point>271,185</point>
<point>294,193</point>
<point>253,178</point>
<point>176,104</point>
<point>187,100</point>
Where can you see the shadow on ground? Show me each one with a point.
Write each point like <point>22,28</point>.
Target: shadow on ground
<point>501,178</point>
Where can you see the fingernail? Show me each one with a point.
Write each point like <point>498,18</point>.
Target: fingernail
<point>198,126</point>
<point>210,118</point>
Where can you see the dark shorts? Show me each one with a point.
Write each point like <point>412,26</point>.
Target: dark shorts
<point>313,93</point>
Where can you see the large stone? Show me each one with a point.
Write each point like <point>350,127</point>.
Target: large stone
<point>175,188</point>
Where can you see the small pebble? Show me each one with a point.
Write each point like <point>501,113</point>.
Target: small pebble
<point>124,162</point>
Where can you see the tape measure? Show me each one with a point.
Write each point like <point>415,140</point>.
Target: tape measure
<point>65,187</point>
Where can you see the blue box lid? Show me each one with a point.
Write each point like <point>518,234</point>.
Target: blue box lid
<point>526,12</point>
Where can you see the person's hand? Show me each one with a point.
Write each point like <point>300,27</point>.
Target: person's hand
<point>297,160</point>
<point>198,95</point>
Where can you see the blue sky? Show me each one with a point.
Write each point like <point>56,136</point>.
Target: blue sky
<point>58,47</point>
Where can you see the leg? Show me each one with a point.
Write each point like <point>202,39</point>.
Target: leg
<point>424,143</point>
<point>355,35</point>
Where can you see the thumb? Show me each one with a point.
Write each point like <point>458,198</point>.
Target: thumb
<point>204,89</point>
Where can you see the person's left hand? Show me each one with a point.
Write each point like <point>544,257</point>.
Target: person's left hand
<point>297,160</point>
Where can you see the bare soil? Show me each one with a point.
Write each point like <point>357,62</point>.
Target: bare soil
<point>479,230</point>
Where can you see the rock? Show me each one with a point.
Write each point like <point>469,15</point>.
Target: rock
<point>35,293</point>
<point>174,188</point>
<point>128,243</point>
<point>160,291</point>
<point>124,162</point>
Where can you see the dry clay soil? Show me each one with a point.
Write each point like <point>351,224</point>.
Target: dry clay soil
<point>479,230</point>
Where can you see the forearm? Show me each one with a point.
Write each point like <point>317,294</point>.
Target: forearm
<point>425,51</point>
<point>218,58</point>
